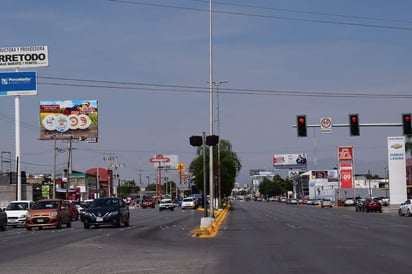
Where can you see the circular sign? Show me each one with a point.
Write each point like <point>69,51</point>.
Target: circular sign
<point>326,122</point>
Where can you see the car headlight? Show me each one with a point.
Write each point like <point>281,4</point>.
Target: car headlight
<point>113,213</point>
<point>23,216</point>
<point>53,214</point>
<point>28,215</point>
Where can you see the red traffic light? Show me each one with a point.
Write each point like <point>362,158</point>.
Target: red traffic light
<point>406,123</point>
<point>354,124</point>
<point>301,125</point>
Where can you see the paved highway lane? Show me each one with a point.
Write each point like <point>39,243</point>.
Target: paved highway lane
<point>256,237</point>
<point>281,238</point>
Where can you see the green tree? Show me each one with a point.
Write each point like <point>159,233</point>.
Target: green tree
<point>229,167</point>
<point>278,186</point>
<point>127,188</point>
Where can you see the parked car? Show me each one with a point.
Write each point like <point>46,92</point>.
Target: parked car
<point>383,200</point>
<point>369,205</point>
<point>349,202</point>
<point>47,213</point>
<point>74,213</point>
<point>106,211</point>
<point>189,202</point>
<point>326,202</point>
<point>166,204</point>
<point>405,209</point>
<point>3,220</point>
<point>148,203</point>
<point>17,212</point>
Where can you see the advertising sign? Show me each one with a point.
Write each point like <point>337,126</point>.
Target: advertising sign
<point>18,83</point>
<point>397,169</point>
<point>69,119</point>
<point>172,163</point>
<point>346,179</point>
<point>345,153</point>
<point>289,160</point>
<point>24,57</point>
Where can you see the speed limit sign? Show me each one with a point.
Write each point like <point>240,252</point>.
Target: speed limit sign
<point>326,125</point>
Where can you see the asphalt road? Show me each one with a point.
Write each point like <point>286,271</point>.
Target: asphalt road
<point>256,237</point>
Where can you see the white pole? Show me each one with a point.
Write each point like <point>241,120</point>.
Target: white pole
<point>18,145</point>
<point>210,111</point>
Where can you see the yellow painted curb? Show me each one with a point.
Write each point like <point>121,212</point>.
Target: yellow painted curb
<point>211,231</point>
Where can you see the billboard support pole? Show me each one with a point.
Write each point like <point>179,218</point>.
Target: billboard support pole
<point>18,146</point>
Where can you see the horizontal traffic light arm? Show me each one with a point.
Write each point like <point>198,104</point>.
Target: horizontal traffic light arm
<point>361,125</point>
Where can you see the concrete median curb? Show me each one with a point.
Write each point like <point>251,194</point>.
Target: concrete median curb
<point>212,229</point>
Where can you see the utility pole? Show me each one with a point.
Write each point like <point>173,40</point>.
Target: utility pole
<point>219,180</point>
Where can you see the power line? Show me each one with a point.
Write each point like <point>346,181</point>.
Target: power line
<point>266,16</point>
<point>150,87</point>
<point>307,12</point>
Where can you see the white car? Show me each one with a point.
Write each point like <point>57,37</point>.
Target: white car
<point>17,212</point>
<point>405,208</point>
<point>189,202</point>
<point>166,204</point>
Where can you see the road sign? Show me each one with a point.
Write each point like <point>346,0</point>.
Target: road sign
<point>326,125</point>
<point>181,167</point>
<point>159,158</point>
<point>18,83</point>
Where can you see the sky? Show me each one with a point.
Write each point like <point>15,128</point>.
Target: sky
<point>147,64</point>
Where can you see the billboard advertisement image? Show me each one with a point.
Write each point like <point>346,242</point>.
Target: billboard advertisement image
<point>69,119</point>
<point>289,160</point>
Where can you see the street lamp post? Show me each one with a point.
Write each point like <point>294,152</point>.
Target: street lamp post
<point>219,181</point>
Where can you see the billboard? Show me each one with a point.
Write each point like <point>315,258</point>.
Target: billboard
<point>69,119</point>
<point>24,57</point>
<point>18,83</point>
<point>397,169</point>
<point>289,160</point>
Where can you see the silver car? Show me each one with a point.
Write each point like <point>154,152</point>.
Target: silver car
<point>405,208</point>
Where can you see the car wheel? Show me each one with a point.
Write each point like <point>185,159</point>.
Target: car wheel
<point>126,224</point>
<point>408,213</point>
<point>400,212</point>
<point>86,226</point>
<point>28,228</point>
<point>3,227</point>
<point>69,224</point>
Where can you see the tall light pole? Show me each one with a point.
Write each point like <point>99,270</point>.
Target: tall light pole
<point>210,110</point>
<point>219,182</point>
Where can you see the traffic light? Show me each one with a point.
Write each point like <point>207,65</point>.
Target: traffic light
<point>301,125</point>
<point>406,123</point>
<point>212,140</point>
<point>354,124</point>
<point>196,141</point>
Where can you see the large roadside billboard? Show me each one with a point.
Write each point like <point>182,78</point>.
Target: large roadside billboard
<point>287,161</point>
<point>24,57</point>
<point>69,119</point>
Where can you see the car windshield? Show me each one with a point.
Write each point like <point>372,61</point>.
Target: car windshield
<point>187,200</point>
<point>17,206</point>
<point>105,203</point>
<point>46,205</point>
<point>165,201</point>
